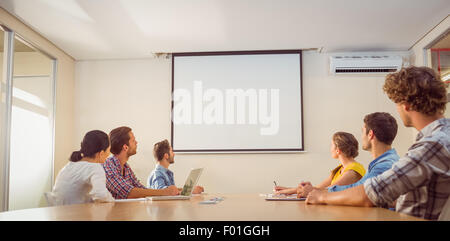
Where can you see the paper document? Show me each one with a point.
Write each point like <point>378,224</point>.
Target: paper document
<point>283,197</point>
<point>130,200</point>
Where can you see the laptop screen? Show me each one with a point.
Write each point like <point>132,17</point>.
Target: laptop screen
<point>191,181</point>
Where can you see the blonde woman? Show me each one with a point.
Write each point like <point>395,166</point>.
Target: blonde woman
<point>344,147</point>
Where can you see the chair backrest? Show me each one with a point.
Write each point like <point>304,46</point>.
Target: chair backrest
<point>445,213</point>
<point>52,199</point>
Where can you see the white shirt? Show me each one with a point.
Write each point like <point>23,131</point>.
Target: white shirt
<point>81,182</point>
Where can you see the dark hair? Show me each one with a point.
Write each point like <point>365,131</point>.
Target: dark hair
<point>347,143</point>
<point>93,142</point>
<point>119,137</point>
<point>161,148</point>
<point>421,87</point>
<point>383,125</point>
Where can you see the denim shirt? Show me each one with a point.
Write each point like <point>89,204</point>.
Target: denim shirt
<point>160,178</point>
<point>376,167</point>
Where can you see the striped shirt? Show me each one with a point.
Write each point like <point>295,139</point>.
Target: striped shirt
<point>419,181</point>
<point>119,182</point>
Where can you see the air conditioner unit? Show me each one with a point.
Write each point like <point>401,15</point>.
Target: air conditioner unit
<point>365,64</point>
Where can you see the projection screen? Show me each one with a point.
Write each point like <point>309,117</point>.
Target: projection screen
<point>244,101</point>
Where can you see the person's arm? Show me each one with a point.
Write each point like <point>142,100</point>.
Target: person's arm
<point>287,191</point>
<point>279,188</point>
<point>337,188</point>
<point>325,183</point>
<point>412,171</point>
<point>158,182</point>
<point>347,178</point>
<point>407,174</point>
<point>305,188</point>
<point>142,192</point>
<point>355,196</point>
<point>136,182</point>
<point>378,169</point>
<point>115,183</point>
<point>99,192</point>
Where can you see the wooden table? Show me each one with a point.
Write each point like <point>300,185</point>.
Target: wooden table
<point>235,207</point>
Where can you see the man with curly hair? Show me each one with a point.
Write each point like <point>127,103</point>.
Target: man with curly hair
<point>419,182</point>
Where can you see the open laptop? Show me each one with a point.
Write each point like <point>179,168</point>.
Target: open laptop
<point>188,187</point>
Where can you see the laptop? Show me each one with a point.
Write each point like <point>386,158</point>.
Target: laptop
<point>188,187</point>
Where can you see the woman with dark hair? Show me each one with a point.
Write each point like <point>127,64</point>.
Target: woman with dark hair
<point>83,179</point>
<point>344,147</point>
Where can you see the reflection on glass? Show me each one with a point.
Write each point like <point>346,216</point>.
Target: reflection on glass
<point>440,62</point>
<point>31,128</point>
<point>440,57</point>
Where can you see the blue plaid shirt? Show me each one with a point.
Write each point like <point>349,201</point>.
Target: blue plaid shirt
<point>160,178</point>
<point>376,167</point>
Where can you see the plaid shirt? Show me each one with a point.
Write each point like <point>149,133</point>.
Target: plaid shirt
<point>118,182</point>
<point>421,179</point>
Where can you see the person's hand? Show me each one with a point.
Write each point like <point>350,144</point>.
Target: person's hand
<point>172,190</point>
<point>286,191</point>
<point>303,189</point>
<point>198,190</point>
<point>316,196</point>
<point>278,188</point>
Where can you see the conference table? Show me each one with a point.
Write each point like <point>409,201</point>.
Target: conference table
<point>234,207</point>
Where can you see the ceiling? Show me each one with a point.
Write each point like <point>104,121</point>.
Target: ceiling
<point>116,29</point>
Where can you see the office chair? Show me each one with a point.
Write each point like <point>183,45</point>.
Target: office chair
<point>51,199</point>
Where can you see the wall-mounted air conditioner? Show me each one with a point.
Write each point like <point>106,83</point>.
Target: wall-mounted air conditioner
<point>365,64</point>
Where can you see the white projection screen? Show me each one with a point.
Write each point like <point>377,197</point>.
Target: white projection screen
<point>244,101</point>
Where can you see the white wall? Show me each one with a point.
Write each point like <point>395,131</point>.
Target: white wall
<point>137,93</point>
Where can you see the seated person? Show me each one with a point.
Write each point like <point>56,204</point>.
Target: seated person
<point>83,179</point>
<point>378,133</point>
<point>120,179</point>
<point>344,147</point>
<point>161,177</point>
<point>419,181</point>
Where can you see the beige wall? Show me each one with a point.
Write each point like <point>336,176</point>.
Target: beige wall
<point>137,93</point>
<point>30,63</point>
<point>64,119</point>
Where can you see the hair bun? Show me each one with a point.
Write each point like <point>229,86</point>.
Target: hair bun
<point>76,156</point>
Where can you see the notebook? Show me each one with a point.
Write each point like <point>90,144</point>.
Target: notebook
<point>282,197</point>
<point>130,200</point>
<point>188,187</point>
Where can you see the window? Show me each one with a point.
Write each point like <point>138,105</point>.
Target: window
<point>440,57</point>
<point>27,127</point>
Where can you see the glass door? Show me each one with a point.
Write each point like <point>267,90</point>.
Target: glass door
<point>440,62</point>
<point>27,123</point>
<point>31,133</point>
<point>3,121</point>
